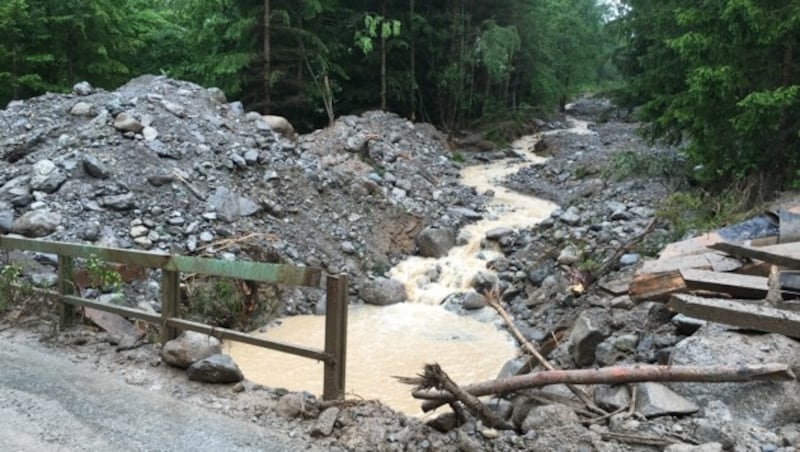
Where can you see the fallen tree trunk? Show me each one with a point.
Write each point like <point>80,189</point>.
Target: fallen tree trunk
<point>612,375</point>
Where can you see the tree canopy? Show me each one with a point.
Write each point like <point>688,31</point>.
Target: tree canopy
<point>719,76</point>
<point>450,62</point>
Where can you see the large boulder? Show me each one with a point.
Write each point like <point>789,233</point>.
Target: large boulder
<point>768,403</point>
<point>436,242</point>
<point>383,291</point>
<point>46,176</point>
<point>217,368</point>
<point>37,223</point>
<point>188,348</point>
<point>280,125</point>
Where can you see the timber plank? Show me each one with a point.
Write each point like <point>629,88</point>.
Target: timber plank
<point>738,286</point>
<point>744,315</point>
<point>708,260</point>
<point>656,286</point>
<point>784,254</point>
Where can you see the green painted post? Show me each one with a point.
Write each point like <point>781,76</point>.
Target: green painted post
<point>335,337</point>
<point>66,286</point>
<point>170,294</point>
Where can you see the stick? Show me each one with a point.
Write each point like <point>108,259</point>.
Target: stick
<point>618,375</point>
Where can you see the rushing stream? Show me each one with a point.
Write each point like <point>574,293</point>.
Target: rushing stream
<point>400,339</point>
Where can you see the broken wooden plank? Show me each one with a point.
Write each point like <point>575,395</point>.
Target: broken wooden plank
<point>696,245</point>
<point>738,286</point>
<point>656,286</point>
<point>112,323</point>
<point>743,315</point>
<point>708,260</point>
<point>785,254</point>
<point>616,286</point>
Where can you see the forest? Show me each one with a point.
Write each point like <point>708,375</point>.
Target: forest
<point>716,77</point>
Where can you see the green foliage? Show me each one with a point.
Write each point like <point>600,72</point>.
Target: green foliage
<point>221,302</point>
<point>102,275</point>
<point>453,63</point>
<point>12,288</point>
<point>699,211</point>
<point>629,164</point>
<point>375,27</point>
<point>720,76</point>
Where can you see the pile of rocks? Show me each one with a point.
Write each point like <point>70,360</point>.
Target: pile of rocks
<point>168,165</point>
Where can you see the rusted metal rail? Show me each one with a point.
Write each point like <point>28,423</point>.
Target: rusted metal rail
<point>333,356</point>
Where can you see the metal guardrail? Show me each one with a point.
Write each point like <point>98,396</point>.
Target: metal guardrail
<point>333,356</point>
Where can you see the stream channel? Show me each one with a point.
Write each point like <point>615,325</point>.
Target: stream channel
<point>398,340</point>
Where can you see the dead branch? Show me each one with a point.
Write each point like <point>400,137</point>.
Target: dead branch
<point>434,376</point>
<point>619,375</point>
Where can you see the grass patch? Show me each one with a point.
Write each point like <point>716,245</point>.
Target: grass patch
<point>228,303</point>
<point>629,164</point>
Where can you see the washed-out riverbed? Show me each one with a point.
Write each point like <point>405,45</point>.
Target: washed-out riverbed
<point>398,340</point>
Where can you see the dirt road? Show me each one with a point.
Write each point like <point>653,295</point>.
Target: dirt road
<point>47,402</point>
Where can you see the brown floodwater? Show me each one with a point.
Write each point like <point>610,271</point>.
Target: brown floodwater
<point>398,340</point>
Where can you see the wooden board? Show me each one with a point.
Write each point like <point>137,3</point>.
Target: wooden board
<point>696,245</point>
<point>656,286</point>
<point>785,254</point>
<point>744,315</point>
<point>709,260</point>
<point>738,286</point>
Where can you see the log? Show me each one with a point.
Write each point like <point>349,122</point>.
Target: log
<point>619,375</point>
<point>759,317</point>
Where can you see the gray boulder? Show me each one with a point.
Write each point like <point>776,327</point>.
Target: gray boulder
<point>383,291</point>
<point>189,348</point>
<point>765,403</point>
<point>583,341</point>
<point>125,122</point>
<point>435,242</point>
<point>217,368</point>
<point>46,176</point>
<point>37,223</point>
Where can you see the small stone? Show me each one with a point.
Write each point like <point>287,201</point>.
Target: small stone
<point>251,157</point>
<point>383,291</point>
<point>612,398</point>
<point>124,122</point>
<point>473,300</point>
<point>82,109</point>
<point>174,108</point>
<point>94,167</point>
<point>568,255</point>
<point>139,231</point>
<point>143,242</point>
<point>216,95</point>
<point>149,133</point>
<point>82,88</point>
<point>571,217</point>
<point>206,236</point>
<point>629,259</point>
<point>498,233</point>
<point>37,223</point>
<point>348,248</point>
<point>657,400</point>
<point>325,422</point>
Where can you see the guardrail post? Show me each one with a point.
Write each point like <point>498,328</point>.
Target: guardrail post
<point>170,294</point>
<point>66,286</point>
<point>335,337</point>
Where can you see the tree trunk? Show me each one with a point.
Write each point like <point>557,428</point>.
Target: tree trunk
<point>413,66</point>
<point>383,57</point>
<point>267,57</point>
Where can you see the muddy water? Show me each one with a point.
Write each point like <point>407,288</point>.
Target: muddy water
<point>400,339</point>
